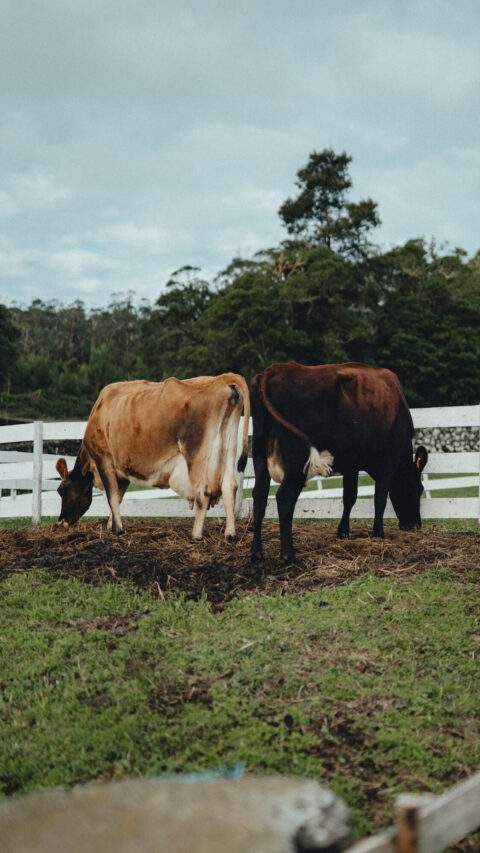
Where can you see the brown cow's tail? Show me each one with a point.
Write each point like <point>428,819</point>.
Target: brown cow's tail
<point>242,459</point>
<point>318,462</point>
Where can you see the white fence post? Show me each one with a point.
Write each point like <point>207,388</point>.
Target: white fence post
<point>239,495</point>
<point>479,466</point>
<point>37,472</point>
<point>239,475</point>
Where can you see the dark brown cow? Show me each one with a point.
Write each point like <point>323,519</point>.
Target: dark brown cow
<point>180,434</point>
<point>336,417</point>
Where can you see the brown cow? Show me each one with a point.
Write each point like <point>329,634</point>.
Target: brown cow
<point>335,417</point>
<point>180,434</point>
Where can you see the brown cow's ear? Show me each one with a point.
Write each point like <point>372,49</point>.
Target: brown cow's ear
<point>86,469</point>
<point>62,469</point>
<point>421,458</point>
<point>87,474</point>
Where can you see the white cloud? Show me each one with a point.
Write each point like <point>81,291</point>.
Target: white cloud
<point>130,237</point>
<point>138,137</point>
<point>34,189</point>
<point>74,264</point>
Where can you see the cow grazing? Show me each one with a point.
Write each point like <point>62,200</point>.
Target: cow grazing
<point>335,417</point>
<point>180,434</point>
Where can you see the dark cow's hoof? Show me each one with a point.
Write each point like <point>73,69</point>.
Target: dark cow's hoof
<point>230,538</point>
<point>342,534</point>
<point>256,556</point>
<point>289,559</point>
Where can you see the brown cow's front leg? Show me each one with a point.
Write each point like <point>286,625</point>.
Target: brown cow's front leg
<point>287,497</point>
<point>114,490</point>
<point>201,506</point>
<point>122,485</point>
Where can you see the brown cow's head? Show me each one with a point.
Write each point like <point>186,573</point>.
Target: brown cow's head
<point>406,490</point>
<point>75,491</point>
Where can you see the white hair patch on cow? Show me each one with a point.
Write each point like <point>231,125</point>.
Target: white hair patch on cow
<point>276,468</point>
<point>318,464</point>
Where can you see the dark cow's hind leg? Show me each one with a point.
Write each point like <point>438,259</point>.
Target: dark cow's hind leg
<point>287,496</point>
<point>260,498</point>
<point>350,491</point>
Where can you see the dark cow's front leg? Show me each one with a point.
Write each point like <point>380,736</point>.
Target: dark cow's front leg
<point>260,498</point>
<point>287,497</point>
<point>380,500</point>
<point>350,491</point>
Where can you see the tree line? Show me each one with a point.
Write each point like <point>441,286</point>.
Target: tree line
<point>326,294</point>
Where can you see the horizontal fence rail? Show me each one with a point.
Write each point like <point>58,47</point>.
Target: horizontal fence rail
<point>32,480</point>
<point>429,824</point>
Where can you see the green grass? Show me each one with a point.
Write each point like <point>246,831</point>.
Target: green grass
<point>369,687</point>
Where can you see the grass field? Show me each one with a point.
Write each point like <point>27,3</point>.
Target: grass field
<point>370,687</point>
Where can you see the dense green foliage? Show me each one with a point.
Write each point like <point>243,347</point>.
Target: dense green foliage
<point>326,294</point>
<point>365,687</point>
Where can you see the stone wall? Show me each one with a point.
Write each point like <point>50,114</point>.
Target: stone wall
<point>448,439</point>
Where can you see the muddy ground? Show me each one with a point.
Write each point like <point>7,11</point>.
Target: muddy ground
<point>159,556</point>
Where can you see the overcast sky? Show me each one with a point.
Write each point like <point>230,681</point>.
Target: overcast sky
<point>138,136</point>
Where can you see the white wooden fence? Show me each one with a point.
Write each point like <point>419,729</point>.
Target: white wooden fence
<point>20,471</point>
<point>428,824</point>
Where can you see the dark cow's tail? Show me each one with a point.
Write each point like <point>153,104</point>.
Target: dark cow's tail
<point>318,462</point>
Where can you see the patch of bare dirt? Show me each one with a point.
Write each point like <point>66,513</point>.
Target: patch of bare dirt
<point>159,556</point>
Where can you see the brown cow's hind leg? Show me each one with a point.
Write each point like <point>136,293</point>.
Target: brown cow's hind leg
<point>229,491</point>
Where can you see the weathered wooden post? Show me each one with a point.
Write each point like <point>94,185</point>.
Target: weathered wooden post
<point>408,817</point>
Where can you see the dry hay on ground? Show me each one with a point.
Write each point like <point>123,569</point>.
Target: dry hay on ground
<point>159,556</point>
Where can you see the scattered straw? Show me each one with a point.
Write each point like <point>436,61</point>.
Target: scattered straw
<point>159,556</point>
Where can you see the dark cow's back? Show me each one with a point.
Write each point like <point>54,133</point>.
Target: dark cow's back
<point>357,412</point>
<point>336,417</point>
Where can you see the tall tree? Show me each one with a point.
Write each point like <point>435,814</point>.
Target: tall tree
<point>321,214</point>
<point>248,321</point>
<point>424,330</point>
<point>9,337</point>
<point>174,338</point>
<point>114,335</point>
